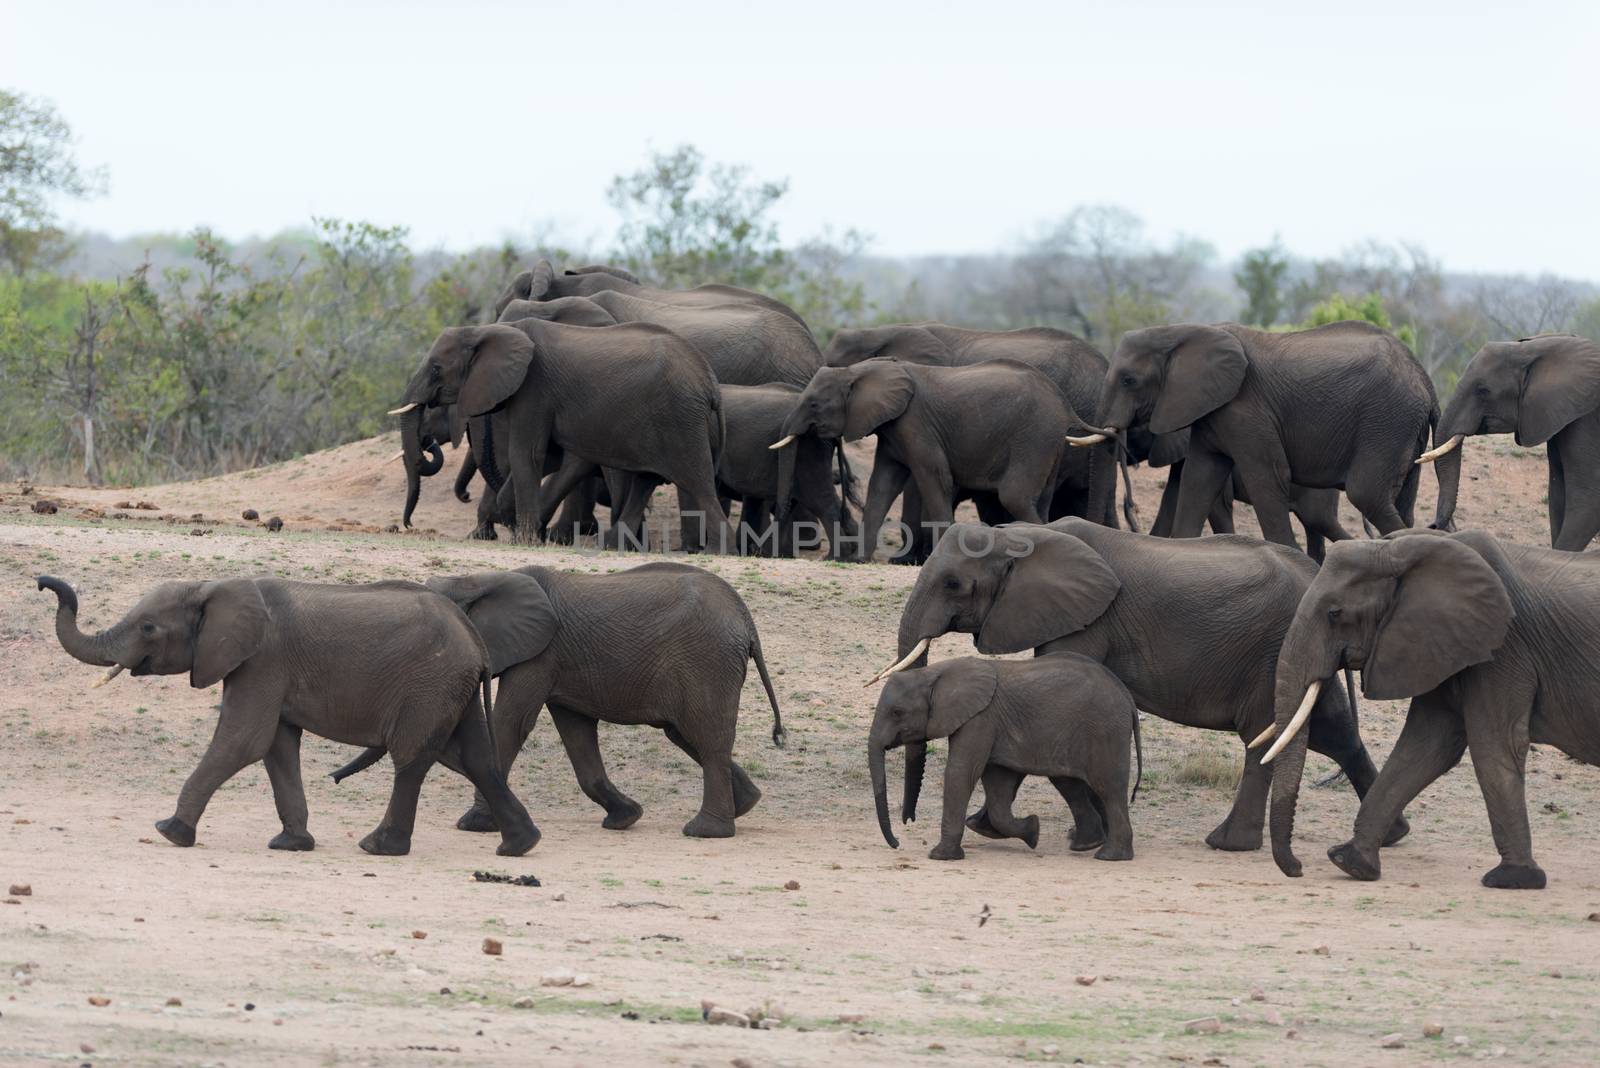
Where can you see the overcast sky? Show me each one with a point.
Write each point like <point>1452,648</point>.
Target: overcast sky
<point>1466,126</point>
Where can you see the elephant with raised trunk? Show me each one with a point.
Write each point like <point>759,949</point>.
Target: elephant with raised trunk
<point>1544,391</point>
<point>1062,716</point>
<point>542,283</point>
<point>1190,626</point>
<point>1494,644</point>
<point>301,656</point>
<point>1344,406</point>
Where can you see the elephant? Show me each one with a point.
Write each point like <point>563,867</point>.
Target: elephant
<point>632,397</point>
<point>1063,716</point>
<point>660,644</point>
<point>1344,406</point>
<point>1494,645</point>
<point>1190,626</point>
<point>776,481</point>
<point>542,283</point>
<point>747,344</point>
<point>301,656</point>
<point>1546,391</point>
<point>1074,365</point>
<point>998,426</point>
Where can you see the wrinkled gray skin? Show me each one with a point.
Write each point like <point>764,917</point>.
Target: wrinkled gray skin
<point>1062,716</point>
<point>633,397</point>
<point>996,426</point>
<point>300,656</point>
<point>1188,625</point>
<point>785,484</point>
<point>542,283</point>
<point>1545,391</point>
<point>1494,644</point>
<point>1074,365</point>
<point>1344,406</point>
<point>663,645</point>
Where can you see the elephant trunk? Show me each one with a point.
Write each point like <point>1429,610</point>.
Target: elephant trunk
<point>1305,663</point>
<point>103,649</point>
<point>880,790</point>
<point>916,762</point>
<point>1447,469</point>
<point>416,468</point>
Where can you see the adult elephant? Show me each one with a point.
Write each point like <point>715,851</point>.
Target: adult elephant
<point>747,344</point>
<point>542,283</point>
<point>632,397</point>
<point>330,659</point>
<point>1344,406</point>
<point>1191,627</point>
<point>1544,391</point>
<point>1075,366</point>
<point>997,426</point>
<point>1494,644</point>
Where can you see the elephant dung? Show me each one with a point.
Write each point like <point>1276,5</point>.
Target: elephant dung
<point>1432,1030</point>
<point>21,889</point>
<point>492,947</point>
<point>1205,1025</point>
<point>1086,980</point>
<point>99,1001</point>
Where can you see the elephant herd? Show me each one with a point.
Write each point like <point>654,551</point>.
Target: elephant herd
<point>592,389</point>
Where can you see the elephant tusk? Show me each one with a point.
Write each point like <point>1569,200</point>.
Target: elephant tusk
<point>781,444</point>
<point>1301,714</point>
<point>401,455</point>
<point>1434,453</point>
<point>113,673</point>
<point>910,658</point>
<point>403,410</point>
<point>1264,737</point>
<point>1085,442</point>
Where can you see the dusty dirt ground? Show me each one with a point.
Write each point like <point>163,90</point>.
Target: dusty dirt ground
<point>878,956</point>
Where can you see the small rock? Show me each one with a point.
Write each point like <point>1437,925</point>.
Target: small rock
<point>85,1047</point>
<point>937,1047</point>
<point>492,947</point>
<point>849,1018</point>
<point>1257,994</point>
<point>1235,1001</point>
<point>560,897</point>
<point>792,884</point>
<point>1205,1025</point>
<point>582,980</point>
<point>445,991</point>
<point>1594,917</point>
<point>1272,1018</point>
<point>524,1002</point>
<point>726,1018</point>
<point>1086,980</point>
<point>1461,1040</point>
<point>275,524</point>
<point>743,1062</point>
<point>1321,950</point>
<point>98,1001</point>
<point>249,513</point>
<point>419,935</point>
<point>1050,1051</point>
<point>175,1002</point>
<point>1392,1041</point>
<point>559,977</point>
<point>1432,1030</point>
<point>21,890</point>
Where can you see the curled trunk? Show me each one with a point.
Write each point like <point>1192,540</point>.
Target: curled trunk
<point>102,649</point>
<point>417,468</point>
<point>880,791</point>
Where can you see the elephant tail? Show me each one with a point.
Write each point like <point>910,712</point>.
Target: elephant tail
<point>368,757</point>
<point>778,733</point>
<point>1138,757</point>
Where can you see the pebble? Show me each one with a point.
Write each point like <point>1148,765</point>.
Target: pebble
<point>559,977</point>
<point>492,947</point>
<point>249,1006</point>
<point>849,1017</point>
<point>582,980</point>
<point>175,1002</point>
<point>726,1018</point>
<point>1086,980</point>
<point>1321,950</point>
<point>1272,1018</point>
<point>1205,1025</point>
<point>1257,994</point>
<point>99,1001</point>
<point>524,1002</point>
<point>743,1062</point>
<point>419,935</point>
<point>792,884</point>
<point>85,1047</point>
<point>1393,1041</point>
<point>1049,1051</point>
<point>1432,1030</point>
<point>21,890</point>
<point>1461,1040</point>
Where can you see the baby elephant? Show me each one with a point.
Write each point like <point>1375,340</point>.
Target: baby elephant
<point>1062,715</point>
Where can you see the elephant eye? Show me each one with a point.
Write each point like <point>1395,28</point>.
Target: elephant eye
<point>1334,614</point>
<point>952,583</point>
<point>147,628</point>
<point>1481,390</point>
<point>435,371</point>
<point>1128,381</point>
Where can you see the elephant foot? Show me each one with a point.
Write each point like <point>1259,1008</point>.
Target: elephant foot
<point>1232,839</point>
<point>1349,859</point>
<point>1080,840</point>
<point>978,823</point>
<point>1030,832</point>
<point>297,842</point>
<point>706,825</point>
<point>1400,829</point>
<point>947,852</point>
<point>746,794</point>
<point>485,534</point>
<point>515,844</point>
<point>478,820</point>
<point>176,831</point>
<point>386,842</point>
<point>1113,851</point>
<point>560,535</point>
<point>621,817</point>
<point>1515,877</point>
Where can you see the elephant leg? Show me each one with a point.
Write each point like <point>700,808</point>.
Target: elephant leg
<point>1557,495</point>
<point>489,509</point>
<point>1265,477</point>
<point>529,444</point>
<point>476,749</point>
<point>580,735</point>
<point>1374,486</point>
<point>1020,500</point>
<point>392,836</point>
<point>999,793</point>
<point>1241,831</point>
<point>963,769</point>
<point>1167,510</point>
<point>745,792</point>
<point>523,691</point>
<point>887,481</point>
<point>1335,734</point>
<point>288,792</point>
<point>572,472</point>
<point>1497,736</point>
<point>1221,515</point>
<point>1577,487</point>
<point>1088,820</point>
<point>713,751</point>
<point>1204,474</point>
<point>627,519</point>
<point>469,468</point>
<point>1430,744</point>
<point>245,732</point>
<point>576,517</point>
<point>917,540</point>
<point>1110,789</point>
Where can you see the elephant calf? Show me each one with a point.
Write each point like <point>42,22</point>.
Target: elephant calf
<point>1063,716</point>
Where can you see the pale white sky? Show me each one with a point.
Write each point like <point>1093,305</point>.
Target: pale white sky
<point>938,127</point>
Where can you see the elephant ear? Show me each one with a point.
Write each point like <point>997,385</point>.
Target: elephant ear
<point>232,624</point>
<point>1448,611</point>
<point>511,612</point>
<point>963,689</point>
<point>881,392</point>
<point>1204,372</point>
<point>1054,585</point>
<point>1562,383</point>
<point>497,365</point>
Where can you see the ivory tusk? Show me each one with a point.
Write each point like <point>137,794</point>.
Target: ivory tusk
<point>1264,737</point>
<point>404,410</point>
<point>1086,441</point>
<point>1434,453</point>
<point>780,444</point>
<point>910,658</point>
<point>113,673</point>
<point>401,455</point>
<point>1301,714</point>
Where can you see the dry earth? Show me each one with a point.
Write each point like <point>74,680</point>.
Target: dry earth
<point>878,956</point>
